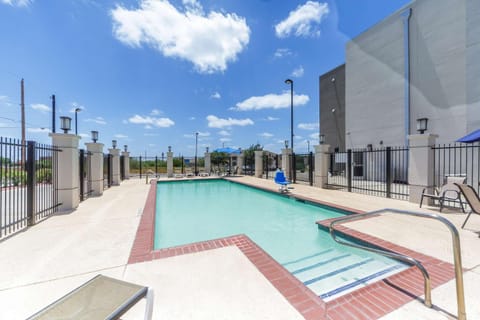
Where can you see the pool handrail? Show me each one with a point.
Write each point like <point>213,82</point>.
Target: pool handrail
<point>427,287</point>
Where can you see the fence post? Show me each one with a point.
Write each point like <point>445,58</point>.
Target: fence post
<point>82,169</point>
<point>321,165</point>
<point>140,161</point>
<point>170,164</point>
<point>310,168</point>
<point>265,166</point>
<point>156,166</point>
<point>239,162</point>
<point>96,165</point>
<point>31,177</point>
<point>349,169</point>
<point>258,163</point>
<point>67,178</point>
<point>388,171</point>
<point>420,165</point>
<point>287,163</point>
<point>126,164</point>
<point>208,162</point>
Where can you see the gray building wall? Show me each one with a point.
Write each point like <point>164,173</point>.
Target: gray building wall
<point>332,107</point>
<point>473,65</point>
<point>442,44</point>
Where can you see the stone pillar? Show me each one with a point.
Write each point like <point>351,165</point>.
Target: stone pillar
<point>126,164</point>
<point>286,163</point>
<point>420,165</point>
<point>240,163</point>
<point>115,153</point>
<point>170,164</point>
<point>258,163</point>
<point>208,163</point>
<point>321,165</point>
<point>96,167</point>
<point>68,179</point>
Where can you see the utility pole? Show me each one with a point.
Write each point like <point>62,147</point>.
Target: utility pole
<point>22,106</point>
<point>53,113</point>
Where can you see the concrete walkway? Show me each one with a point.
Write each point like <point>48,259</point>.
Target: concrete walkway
<point>50,259</point>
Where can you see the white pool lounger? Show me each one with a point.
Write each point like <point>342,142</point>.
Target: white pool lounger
<point>100,298</point>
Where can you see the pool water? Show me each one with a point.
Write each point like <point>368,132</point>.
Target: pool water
<point>191,211</point>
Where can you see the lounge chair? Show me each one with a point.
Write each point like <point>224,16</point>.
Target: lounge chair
<point>448,192</point>
<point>282,181</point>
<point>100,298</point>
<point>472,199</point>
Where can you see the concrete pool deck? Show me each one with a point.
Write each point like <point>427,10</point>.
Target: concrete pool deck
<point>48,260</point>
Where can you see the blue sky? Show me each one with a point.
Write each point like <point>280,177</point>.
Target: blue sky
<point>151,73</point>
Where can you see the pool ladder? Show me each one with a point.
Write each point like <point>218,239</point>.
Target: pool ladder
<point>427,287</point>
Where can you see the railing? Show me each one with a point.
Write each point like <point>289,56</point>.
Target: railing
<point>28,175</point>
<point>457,160</point>
<point>378,172</point>
<point>107,171</point>
<point>85,173</point>
<point>456,252</point>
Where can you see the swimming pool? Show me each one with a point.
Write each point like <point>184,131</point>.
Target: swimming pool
<point>191,211</point>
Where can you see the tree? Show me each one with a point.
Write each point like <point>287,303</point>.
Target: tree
<point>219,159</point>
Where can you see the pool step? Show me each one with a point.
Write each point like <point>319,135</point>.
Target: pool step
<point>331,273</point>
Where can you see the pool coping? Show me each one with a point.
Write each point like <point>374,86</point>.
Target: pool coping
<point>370,302</point>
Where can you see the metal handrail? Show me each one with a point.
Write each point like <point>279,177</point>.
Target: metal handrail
<point>456,252</point>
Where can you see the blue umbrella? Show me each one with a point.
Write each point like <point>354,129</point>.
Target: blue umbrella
<point>228,150</point>
<point>471,137</point>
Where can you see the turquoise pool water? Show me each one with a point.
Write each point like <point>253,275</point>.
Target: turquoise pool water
<point>191,211</point>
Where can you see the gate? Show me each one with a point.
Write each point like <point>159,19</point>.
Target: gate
<point>28,176</point>
<point>304,168</point>
<point>379,172</point>
<point>107,171</point>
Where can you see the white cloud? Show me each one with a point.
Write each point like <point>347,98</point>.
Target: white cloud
<point>282,52</point>
<point>216,95</point>
<point>155,112</point>
<point>210,41</point>
<point>215,122</point>
<point>191,118</point>
<point>314,136</point>
<point>225,139</point>
<point>308,126</point>
<point>151,121</point>
<point>17,3</point>
<point>97,120</point>
<point>303,21</point>
<point>41,107</point>
<point>38,130</point>
<point>269,118</point>
<point>298,72</point>
<point>271,101</point>
<point>150,134</point>
<point>84,135</point>
<point>266,135</point>
<point>224,133</point>
<point>120,136</point>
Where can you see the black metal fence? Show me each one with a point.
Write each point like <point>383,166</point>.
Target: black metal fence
<point>303,167</point>
<point>28,174</point>
<point>85,171</point>
<point>107,171</point>
<point>461,160</point>
<point>380,172</point>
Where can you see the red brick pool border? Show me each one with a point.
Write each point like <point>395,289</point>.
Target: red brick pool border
<point>370,302</point>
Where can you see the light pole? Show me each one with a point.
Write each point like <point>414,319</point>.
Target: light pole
<point>290,81</point>
<point>77,110</point>
<point>196,147</point>
<point>308,146</point>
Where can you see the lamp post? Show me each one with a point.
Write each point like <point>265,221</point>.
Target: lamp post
<point>65,124</point>
<point>77,110</point>
<point>308,146</point>
<point>422,125</point>
<point>321,138</point>
<point>290,81</point>
<point>196,147</point>
<point>114,144</point>
<point>94,136</point>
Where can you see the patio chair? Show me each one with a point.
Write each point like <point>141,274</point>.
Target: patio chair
<point>472,199</point>
<point>282,181</point>
<point>448,192</point>
<point>100,298</point>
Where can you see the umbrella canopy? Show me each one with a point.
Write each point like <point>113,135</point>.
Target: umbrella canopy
<point>228,150</point>
<point>471,137</point>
